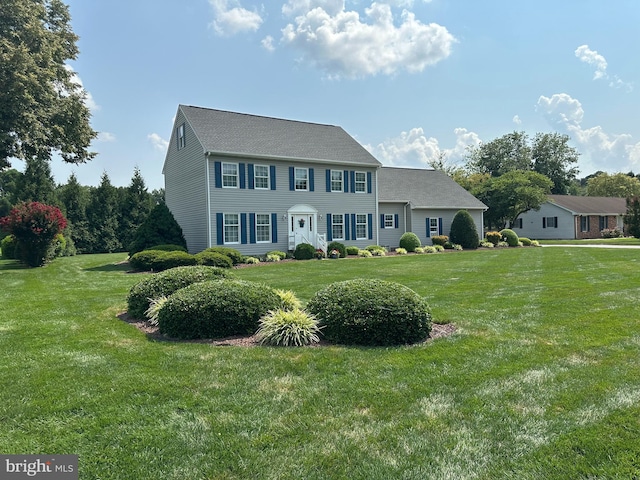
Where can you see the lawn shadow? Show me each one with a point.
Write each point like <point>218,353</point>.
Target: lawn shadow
<point>111,267</point>
<point>12,265</point>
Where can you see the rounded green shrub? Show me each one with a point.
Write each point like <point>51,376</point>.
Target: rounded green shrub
<point>351,250</point>
<point>510,237</point>
<point>410,241</point>
<point>339,247</point>
<point>165,283</point>
<point>463,231</point>
<point>168,248</point>
<point>215,309</point>
<point>144,261</point>
<point>304,251</point>
<point>174,259</point>
<point>213,259</point>
<point>526,242</point>
<point>288,328</point>
<point>439,240</point>
<point>9,246</point>
<point>371,312</point>
<point>235,256</point>
<point>493,237</point>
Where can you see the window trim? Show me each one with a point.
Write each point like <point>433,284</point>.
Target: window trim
<point>390,224</point>
<point>180,133</point>
<point>584,219</point>
<point>225,225</point>
<point>334,224</point>
<point>295,179</point>
<point>358,182</point>
<point>341,181</point>
<point>236,175</point>
<point>256,176</point>
<point>360,224</point>
<point>269,236</point>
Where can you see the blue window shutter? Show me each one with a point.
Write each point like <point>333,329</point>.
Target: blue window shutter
<point>251,177</point>
<point>555,222</point>
<point>272,176</point>
<point>311,183</point>
<point>274,228</point>
<point>252,228</point>
<point>346,227</point>
<point>544,222</point>
<point>370,225</point>
<point>329,229</point>
<point>345,179</point>
<point>428,227</point>
<point>354,232</point>
<point>220,228</point>
<point>440,226</point>
<point>243,176</point>
<point>328,180</point>
<point>243,228</point>
<point>382,220</point>
<point>218,174</point>
<point>369,182</point>
<point>396,220</point>
<point>353,181</point>
<point>292,179</point>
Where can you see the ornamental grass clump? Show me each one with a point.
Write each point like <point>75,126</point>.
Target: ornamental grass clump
<point>288,300</point>
<point>371,312</point>
<point>288,328</point>
<point>166,283</point>
<point>365,253</point>
<point>401,251</point>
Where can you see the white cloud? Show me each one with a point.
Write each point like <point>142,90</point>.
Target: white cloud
<point>601,150</point>
<point>516,120</point>
<point>106,137</point>
<point>158,142</point>
<point>301,7</point>
<point>593,58</point>
<point>88,99</point>
<point>232,19</point>
<point>267,43</point>
<point>414,148</point>
<point>341,44</point>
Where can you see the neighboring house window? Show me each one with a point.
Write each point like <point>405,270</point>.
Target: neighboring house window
<point>231,228</point>
<point>434,227</point>
<point>604,222</point>
<point>517,223</point>
<point>230,175</point>
<point>549,222</point>
<point>263,228</point>
<point>261,177</point>
<point>180,135</point>
<point>584,224</point>
<point>361,182</point>
<point>337,227</point>
<point>302,179</point>
<point>336,180</point>
<point>388,220</point>
<point>361,227</point>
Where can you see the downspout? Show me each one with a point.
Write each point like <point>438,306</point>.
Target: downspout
<point>404,210</point>
<point>208,182</point>
<point>377,216</point>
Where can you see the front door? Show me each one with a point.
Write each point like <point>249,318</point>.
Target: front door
<point>303,228</point>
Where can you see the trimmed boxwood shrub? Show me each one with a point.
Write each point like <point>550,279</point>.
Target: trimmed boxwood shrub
<point>213,259</point>
<point>235,256</point>
<point>339,247</point>
<point>526,242</point>
<point>439,240</point>
<point>168,248</point>
<point>143,261</point>
<point>304,251</point>
<point>158,260</point>
<point>9,246</point>
<point>510,237</point>
<point>463,231</point>
<point>217,308</point>
<point>167,282</point>
<point>410,241</point>
<point>371,312</point>
<point>351,250</point>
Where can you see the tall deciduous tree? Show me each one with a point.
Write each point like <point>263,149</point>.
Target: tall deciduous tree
<point>615,185</point>
<point>43,108</point>
<point>502,155</point>
<point>632,218</point>
<point>552,156</point>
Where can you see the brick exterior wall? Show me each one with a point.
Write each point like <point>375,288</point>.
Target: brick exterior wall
<point>594,226</point>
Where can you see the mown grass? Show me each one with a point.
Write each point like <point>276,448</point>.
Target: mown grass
<point>541,380</point>
<point>594,241</point>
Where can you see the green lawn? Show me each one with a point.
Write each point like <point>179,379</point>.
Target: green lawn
<point>594,241</point>
<point>541,381</point>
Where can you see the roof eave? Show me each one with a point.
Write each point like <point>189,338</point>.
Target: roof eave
<point>258,156</point>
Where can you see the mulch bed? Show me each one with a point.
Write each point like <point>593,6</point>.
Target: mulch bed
<point>152,332</point>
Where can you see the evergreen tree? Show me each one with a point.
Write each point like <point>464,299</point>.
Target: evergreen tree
<point>135,205</point>
<point>75,199</point>
<point>463,231</point>
<point>632,218</point>
<point>160,228</point>
<point>36,183</point>
<point>102,214</point>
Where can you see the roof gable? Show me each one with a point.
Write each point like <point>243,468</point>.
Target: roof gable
<point>423,189</point>
<point>230,133</point>
<point>579,205</point>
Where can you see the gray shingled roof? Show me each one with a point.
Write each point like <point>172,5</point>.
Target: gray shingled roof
<point>590,205</point>
<point>251,135</point>
<point>424,189</point>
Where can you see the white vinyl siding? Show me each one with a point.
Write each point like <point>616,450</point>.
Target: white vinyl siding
<point>230,175</point>
<point>231,228</point>
<point>261,177</point>
<point>263,228</point>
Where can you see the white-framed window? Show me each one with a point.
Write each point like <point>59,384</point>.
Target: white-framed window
<point>361,182</point>
<point>263,227</point>
<point>388,220</point>
<point>336,180</point>
<point>302,179</point>
<point>337,226</point>
<point>231,228</point>
<point>604,222</point>
<point>230,175</point>
<point>261,177</point>
<point>434,227</point>
<point>361,227</point>
<point>180,136</point>
<point>584,223</point>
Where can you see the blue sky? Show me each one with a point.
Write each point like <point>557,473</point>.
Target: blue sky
<point>409,79</point>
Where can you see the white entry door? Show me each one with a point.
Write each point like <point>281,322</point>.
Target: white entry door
<point>303,229</point>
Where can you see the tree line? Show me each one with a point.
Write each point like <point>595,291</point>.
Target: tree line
<point>100,219</point>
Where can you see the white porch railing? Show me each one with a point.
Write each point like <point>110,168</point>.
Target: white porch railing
<point>320,241</point>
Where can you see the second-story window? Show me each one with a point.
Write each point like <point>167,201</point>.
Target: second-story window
<point>302,179</point>
<point>230,175</point>
<point>361,182</point>
<point>261,177</point>
<point>336,180</point>
<point>180,135</point>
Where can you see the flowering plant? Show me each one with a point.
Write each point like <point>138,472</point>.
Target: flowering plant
<point>334,253</point>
